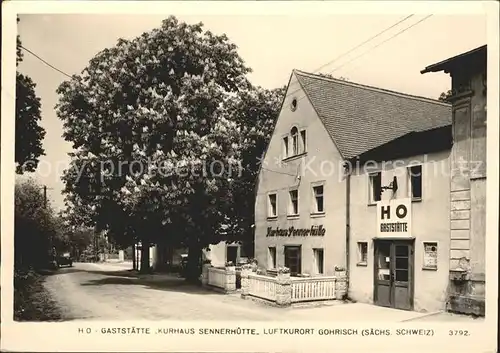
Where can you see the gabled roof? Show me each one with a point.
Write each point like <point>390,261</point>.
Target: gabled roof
<point>458,61</point>
<point>360,118</point>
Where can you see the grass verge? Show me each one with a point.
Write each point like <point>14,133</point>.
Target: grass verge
<point>32,302</point>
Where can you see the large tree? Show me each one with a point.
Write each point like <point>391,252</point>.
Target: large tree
<point>29,133</point>
<point>154,142</point>
<point>255,111</point>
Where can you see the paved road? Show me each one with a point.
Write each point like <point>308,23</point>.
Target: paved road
<point>110,292</point>
<point>107,291</point>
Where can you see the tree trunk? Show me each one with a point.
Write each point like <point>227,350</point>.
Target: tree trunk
<point>145,268</point>
<point>193,269</point>
<point>134,260</point>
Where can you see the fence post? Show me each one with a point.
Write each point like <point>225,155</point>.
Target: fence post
<point>246,270</point>
<point>230,283</point>
<point>283,289</point>
<point>340,284</point>
<point>204,274</point>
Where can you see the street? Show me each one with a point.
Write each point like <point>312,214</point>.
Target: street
<point>108,291</point>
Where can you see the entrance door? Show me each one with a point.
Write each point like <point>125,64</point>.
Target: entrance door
<point>293,260</point>
<point>394,274</point>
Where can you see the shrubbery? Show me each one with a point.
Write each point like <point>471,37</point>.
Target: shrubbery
<point>36,230</point>
<point>31,301</point>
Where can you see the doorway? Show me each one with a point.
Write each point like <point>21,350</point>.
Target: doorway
<point>393,278</point>
<point>293,259</point>
<point>232,254</point>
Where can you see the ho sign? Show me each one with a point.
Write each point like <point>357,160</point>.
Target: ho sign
<point>394,218</point>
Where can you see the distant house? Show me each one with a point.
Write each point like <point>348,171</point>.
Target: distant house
<point>468,179</point>
<point>348,181</point>
<point>166,257</point>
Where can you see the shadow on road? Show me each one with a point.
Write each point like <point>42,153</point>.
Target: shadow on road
<point>60,271</point>
<point>164,282</point>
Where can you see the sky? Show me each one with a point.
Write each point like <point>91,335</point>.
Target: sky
<point>271,45</point>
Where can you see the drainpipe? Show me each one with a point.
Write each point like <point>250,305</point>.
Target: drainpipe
<point>348,171</point>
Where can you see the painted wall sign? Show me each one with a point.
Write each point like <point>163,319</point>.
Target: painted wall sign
<point>314,231</point>
<point>430,255</point>
<point>394,218</point>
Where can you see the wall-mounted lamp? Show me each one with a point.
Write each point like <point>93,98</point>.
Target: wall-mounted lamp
<point>392,186</point>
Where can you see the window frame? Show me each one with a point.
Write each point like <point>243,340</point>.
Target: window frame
<point>303,140</point>
<point>286,146</point>
<point>315,210</point>
<point>271,257</point>
<point>290,203</point>
<point>294,134</point>
<point>410,176</point>
<point>360,261</point>
<point>318,270</point>
<point>269,206</point>
<point>371,191</point>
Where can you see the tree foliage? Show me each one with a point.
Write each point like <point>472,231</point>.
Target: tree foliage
<point>255,112</point>
<point>36,228</point>
<point>154,141</point>
<point>444,97</point>
<point>29,133</point>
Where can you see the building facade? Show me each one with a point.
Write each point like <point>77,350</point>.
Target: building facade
<point>404,268</point>
<point>468,180</point>
<point>315,205</point>
<point>296,224</point>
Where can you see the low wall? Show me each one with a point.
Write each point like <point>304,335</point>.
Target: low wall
<point>220,278</point>
<point>281,290</point>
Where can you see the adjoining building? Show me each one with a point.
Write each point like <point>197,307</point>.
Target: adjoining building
<point>468,179</point>
<point>165,258</point>
<point>343,157</point>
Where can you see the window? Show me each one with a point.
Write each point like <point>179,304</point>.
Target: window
<point>298,143</point>
<point>304,141</point>
<point>415,182</point>
<point>293,259</point>
<point>271,264</point>
<point>318,260</point>
<point>294,202</point>
<point>285,147</point>
<point>318,199</point>
<point>430,255</point>
<point>272,206</point>
<point>295,141</point>
<point>362,253</point>
<point>375,187</point>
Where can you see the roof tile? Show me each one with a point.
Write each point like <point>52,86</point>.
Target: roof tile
<point>360,118</point>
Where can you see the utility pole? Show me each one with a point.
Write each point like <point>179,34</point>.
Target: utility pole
<point>45,196</point>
